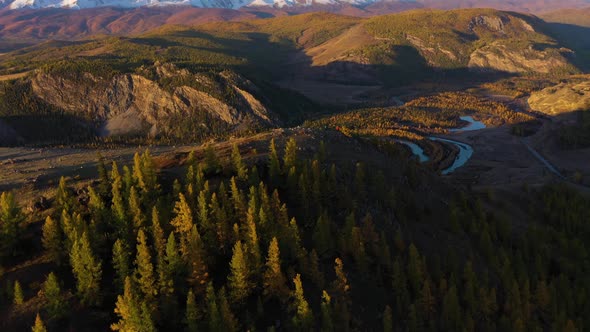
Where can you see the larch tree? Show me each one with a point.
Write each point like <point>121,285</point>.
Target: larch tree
<point>144,274</point>
<point>56,304</point>
<point>213,312</point>
<point>326,307</point>
<point>273,280</point>
<point>195,259</point>
<point>238,166</point>
<point>87,270</point>
<point>11,218</point>
<point>128,309</point>
<point>274,164</point>
<point>239,282</point>
<point>53,240</point>
<point>228,320</point>
<point>63,197</point>
<point>183,220</point>
<point>121,262</point>
<point>18,296</point>
<point>290,158</point>
<point>192,312</point>
<point>135,210</point>
<point>303,319</point>
<point>39,325</point>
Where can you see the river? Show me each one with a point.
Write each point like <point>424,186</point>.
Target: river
<point>465,150</point>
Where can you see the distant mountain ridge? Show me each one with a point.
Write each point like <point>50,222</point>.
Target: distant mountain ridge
<point>524,6</point>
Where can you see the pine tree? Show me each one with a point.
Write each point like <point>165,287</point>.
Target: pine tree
<point>451,312</point>
<point>145,275</point>
<point>158,236</point>
<point>387,319</point>
<point>87,270</point>
<point>237,198</point>
<point>104,186</point>
<point>147,321</point>
<point>192,312</point>
<point>314,269</point>
<point>213,312</point>
<point>274,165</point>
<point>290,158</point>
<point>183,221</point>
<point>117,205</point>
<point>327,320</point>
<point>135,209</point>
<point>52,240</point>
<point>303,316</point>
<point>128,309</point>
<point>239,277</point>
<point>273,280</point>
<point>228,320</point>
<point>322,236</point>
<point>18,296</point>
<point>252,242</point>
<point>63,197</point>
<point>212,164</point>
<point>11,218</point>
<point>56,305</point>
<point>341,290</point>
<point>174,265</point>
<point>239,168</point>
<point>121,263</point>
<point>39,325</point>
<point>195,260</point>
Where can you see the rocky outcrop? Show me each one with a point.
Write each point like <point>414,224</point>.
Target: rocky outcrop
<point>492,23</point>
<point>500,57</point>
<point>133,104</point>
<point>562,98</point>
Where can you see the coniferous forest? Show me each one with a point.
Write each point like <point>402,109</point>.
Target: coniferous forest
<point>297,243</point>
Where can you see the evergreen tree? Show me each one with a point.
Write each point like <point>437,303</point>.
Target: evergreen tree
<point>145,275</point>
<point>327,320</point>
<point>303,319</point>
<point>274,281</point>
<point>135,209</point>
<point>56,305</point>
<point>52,240</point>
<point>195,260</point>
<point>183,221</point>
<point>274,165</point>
<point>252,242</point>
<point>192,312</point>
<point>314,269</point>
<point>121,263</point>
<point>128,309</point>
<point>239,168</point>
<point>322,236</point>
<point>290,158</point>
<point>11,218</point>
<point>228,320</point>
<point>104,185</point>
<point>87,270</point>
<point>239,277</point>
<point>39,325</point>
<point>18,296</point>
<point>63,197</point>
<point>451,312</point>
<point>212,164</point>
<point>213,312</point>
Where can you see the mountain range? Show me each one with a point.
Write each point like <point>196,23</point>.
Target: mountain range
<point>524,6</point>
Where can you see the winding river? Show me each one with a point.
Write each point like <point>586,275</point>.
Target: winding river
<point>465,150</point>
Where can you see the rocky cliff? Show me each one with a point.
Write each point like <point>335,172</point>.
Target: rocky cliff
<point>131,104</point>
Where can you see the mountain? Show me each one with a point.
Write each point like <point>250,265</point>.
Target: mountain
<point>389,5</point>
<point>222,78</point>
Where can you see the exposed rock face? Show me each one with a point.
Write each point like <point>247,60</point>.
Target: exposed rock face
<point>562,98</point>
<point>497,56</point>
<point>493,23</point>
<point>133,104</point>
